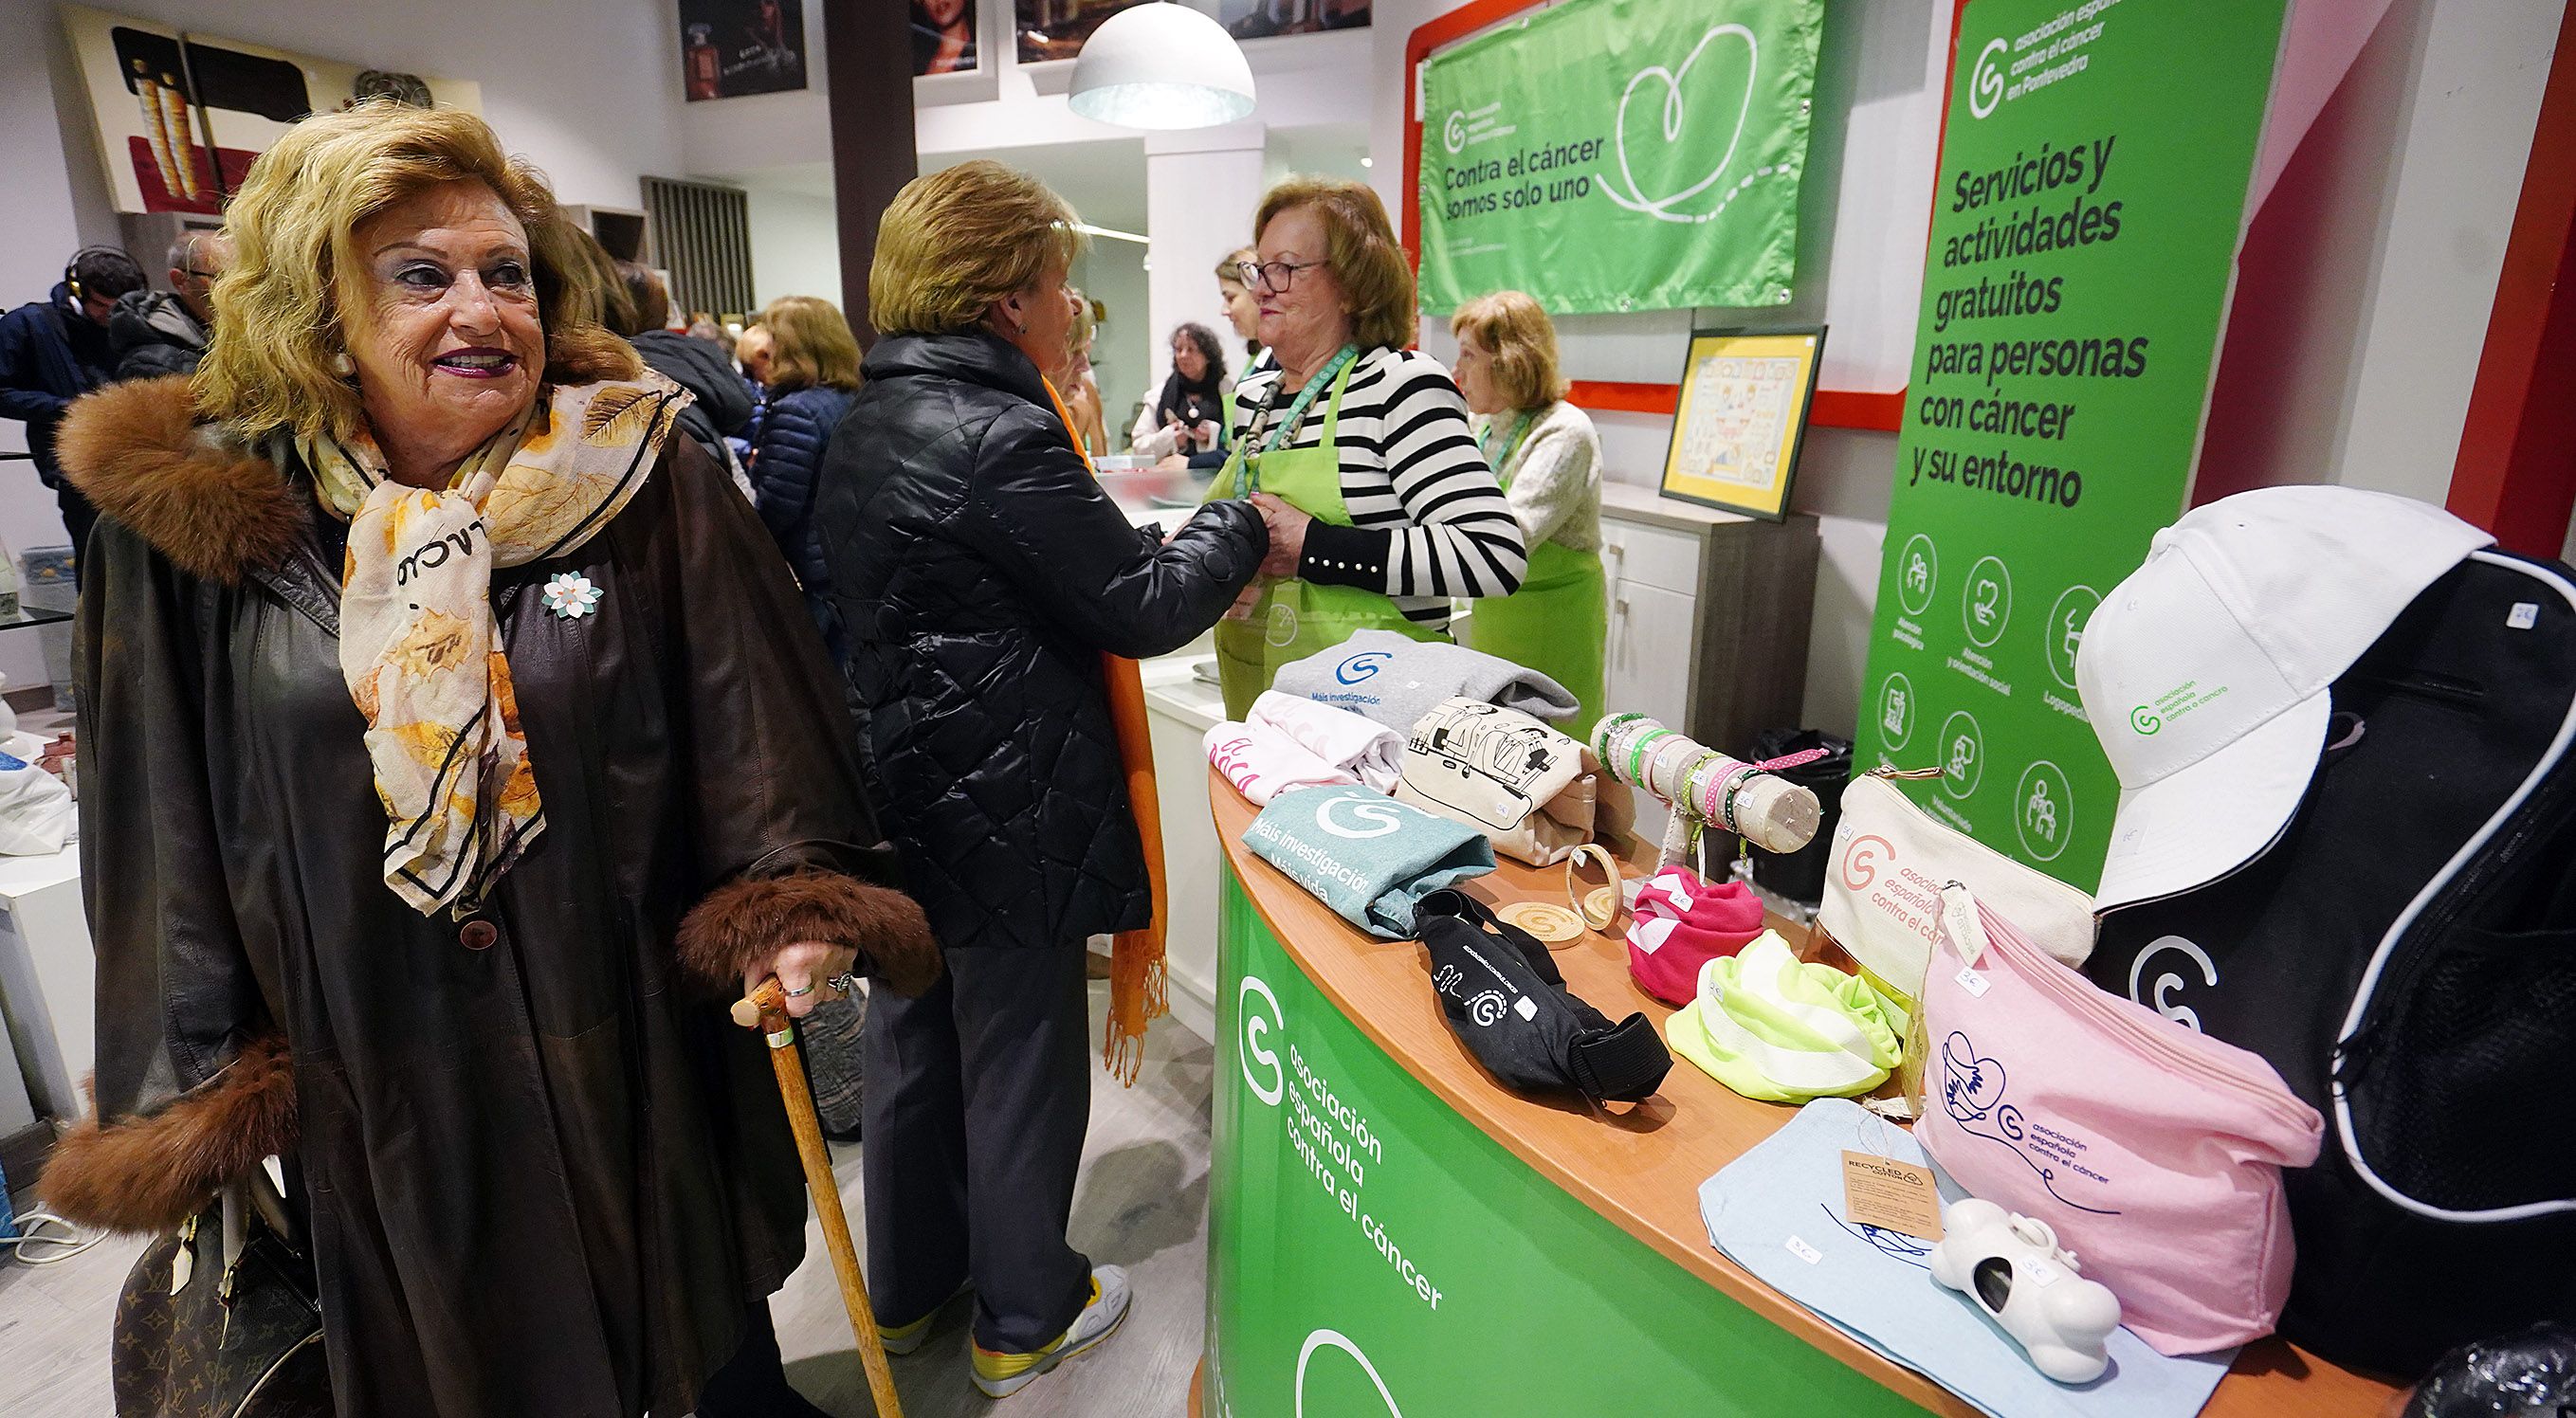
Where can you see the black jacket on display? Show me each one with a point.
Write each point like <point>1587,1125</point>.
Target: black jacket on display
<point>153,334</point>
<point>786,460</point>
<point>723,403</point>
<point>980,572</point>
<point>50,354</point>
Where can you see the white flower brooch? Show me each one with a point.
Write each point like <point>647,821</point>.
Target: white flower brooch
<point>571,596</point>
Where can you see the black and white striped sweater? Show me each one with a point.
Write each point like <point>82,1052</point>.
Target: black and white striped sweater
<point>1428,520</point>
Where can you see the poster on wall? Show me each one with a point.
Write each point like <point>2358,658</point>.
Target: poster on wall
<point>1056,29</point>
<point>180,116</point>
<point>1260,19</point>
<point>943,37</point>
<point>1741,418</point>
<point>1616,155</point>
<point>2087,216</point>
<point>733,48</point>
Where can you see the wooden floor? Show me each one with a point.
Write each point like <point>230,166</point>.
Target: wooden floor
<point>1142,1204</point>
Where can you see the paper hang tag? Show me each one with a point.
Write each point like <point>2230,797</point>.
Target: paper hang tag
<point>1959,921</point>
<point>1891,1195</point>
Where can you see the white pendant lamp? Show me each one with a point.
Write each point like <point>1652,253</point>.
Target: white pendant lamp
<point>1161,65</point>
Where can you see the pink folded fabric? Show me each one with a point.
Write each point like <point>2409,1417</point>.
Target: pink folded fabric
<point>1682,923</point>
<point>1262,763</point>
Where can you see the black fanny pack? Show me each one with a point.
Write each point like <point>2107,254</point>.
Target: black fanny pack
<point>1506,1001</point>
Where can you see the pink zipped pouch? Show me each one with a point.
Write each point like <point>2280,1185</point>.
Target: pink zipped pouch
<point>2153,1150</point>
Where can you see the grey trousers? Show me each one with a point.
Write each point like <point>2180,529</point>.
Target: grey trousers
<point>977,1098</point>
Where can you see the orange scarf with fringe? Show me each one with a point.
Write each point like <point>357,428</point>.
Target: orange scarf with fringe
<point>1139,991</point>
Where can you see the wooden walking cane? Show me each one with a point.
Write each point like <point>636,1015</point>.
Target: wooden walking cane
<point>766,1010</point>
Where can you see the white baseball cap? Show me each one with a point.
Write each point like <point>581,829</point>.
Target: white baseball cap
<point>2206,674</point>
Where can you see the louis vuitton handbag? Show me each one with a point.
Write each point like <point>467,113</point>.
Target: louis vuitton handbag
<point>222,1319</point>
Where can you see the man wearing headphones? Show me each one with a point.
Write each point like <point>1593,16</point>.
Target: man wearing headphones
<point>164,332</point>
<point>52,352</point>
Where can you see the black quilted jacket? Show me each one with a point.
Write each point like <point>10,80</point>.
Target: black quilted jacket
<point>786,461</point>
<point>980,573</point>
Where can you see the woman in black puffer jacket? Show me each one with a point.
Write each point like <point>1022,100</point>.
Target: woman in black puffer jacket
<point>812,376</point>
<point>980,573</point>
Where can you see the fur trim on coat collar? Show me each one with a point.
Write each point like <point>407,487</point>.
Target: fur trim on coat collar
<point>217,509</point>
<point>149,1173</point>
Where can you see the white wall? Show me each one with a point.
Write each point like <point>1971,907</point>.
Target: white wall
<point>795,245</point>
<point>2369,277</point>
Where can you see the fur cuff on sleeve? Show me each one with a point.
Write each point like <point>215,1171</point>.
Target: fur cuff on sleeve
<point>149,1174</point>
<point>746,921</point>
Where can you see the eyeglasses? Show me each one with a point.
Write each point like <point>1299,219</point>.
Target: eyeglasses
<point>1273,276</point>
<point>202,275</point>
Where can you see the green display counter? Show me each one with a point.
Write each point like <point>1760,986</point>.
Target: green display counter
<point>1392,1232</point>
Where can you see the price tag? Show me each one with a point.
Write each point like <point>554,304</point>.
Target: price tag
<point>1805,1252</point>
<point>1972,982</point>
<point>2041,1273</point>
<point>1959,922</point>
<point>1890,1195</point>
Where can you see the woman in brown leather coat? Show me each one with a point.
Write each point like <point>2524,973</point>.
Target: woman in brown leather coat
<point>454,745</point>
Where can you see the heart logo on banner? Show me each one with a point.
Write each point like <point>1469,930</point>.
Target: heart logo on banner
<point>1627,191</point>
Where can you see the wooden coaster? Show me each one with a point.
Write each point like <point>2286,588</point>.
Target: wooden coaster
<point>1551,923</point>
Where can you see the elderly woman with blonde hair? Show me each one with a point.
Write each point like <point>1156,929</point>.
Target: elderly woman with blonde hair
<point>981,574</point>
<point>455,749</point>
<point>1548,460</point>
<point>1381,507</point>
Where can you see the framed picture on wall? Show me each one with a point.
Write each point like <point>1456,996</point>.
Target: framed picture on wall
<point>732,48</point>
<point>1742,418</point>
<point>1258,19</point>
<point>943,37</point>
<point>1056,29</point>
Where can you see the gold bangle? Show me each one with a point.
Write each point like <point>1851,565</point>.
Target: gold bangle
<point>1582,902</point>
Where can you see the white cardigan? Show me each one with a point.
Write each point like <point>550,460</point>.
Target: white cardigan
<point>1555,478</point>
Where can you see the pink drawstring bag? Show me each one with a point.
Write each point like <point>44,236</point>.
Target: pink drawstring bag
<point>1682,923</point>
<point>2154,1151</point>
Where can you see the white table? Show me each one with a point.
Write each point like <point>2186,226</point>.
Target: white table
<point>48,980</point>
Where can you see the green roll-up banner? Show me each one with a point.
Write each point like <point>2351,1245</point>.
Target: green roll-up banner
<point>2095,169</point>
<point>1608,155</point>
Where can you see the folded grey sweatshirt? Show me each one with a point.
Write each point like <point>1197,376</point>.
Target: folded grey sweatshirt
<point>1396,680</point>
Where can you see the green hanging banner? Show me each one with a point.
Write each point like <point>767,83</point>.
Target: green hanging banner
<point>2095,168</point>
<point>1610,155</point>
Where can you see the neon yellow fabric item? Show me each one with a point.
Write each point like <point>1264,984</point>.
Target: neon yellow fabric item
<point>1781,1031</point>
<point>996,1365</point>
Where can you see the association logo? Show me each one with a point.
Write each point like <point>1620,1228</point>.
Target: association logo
<point>2159,996</point>
<point>1370,816</point>
<point>1860,864</point>
<point>1627,191</point>
<point>2144,721</point>
<point>1362,666</point>
<point>1334,1339</point>
<point>1280,628</point>
<point>1453,133</point>
<point>1257,1026</point>
<point>1488,1009</point>
<point>1986,84</point>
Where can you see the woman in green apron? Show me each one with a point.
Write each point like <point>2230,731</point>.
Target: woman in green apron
<point>1549,462</point>
<point>1357,451</point>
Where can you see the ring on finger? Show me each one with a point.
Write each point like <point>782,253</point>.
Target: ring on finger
<point>846,982</point>
<point>801,990</point>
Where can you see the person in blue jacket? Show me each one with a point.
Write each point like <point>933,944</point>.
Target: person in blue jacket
<point>813,372</point>
<point>52,351</point>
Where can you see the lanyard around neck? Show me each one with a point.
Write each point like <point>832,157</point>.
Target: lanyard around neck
<point>1497,454</point>
<point>1287,427</point>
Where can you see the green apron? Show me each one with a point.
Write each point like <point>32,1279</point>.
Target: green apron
<point>1296,618</point>
<point>1558,622</point>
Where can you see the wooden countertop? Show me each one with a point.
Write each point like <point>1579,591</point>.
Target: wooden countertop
<point>1642,1168</point>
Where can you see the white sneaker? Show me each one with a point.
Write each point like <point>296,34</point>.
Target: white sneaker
<point>1000,1375</point>
<point>906,1338</point>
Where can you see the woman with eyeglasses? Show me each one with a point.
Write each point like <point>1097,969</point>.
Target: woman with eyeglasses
<point>1357,450</point>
